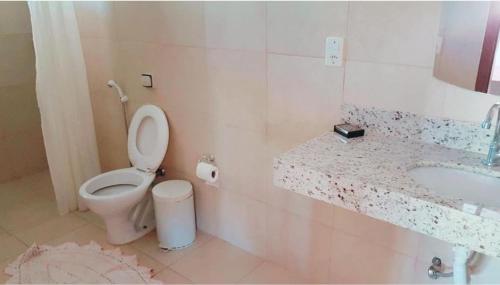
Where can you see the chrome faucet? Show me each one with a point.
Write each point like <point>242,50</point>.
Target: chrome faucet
<point>493,152</point>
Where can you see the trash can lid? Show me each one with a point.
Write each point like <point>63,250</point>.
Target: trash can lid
<point>174,190</point>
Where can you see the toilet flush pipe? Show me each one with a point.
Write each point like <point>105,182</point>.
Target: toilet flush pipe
<point>460,265</point>
<point>123,100</point>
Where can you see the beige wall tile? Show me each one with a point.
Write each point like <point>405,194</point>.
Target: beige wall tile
<point>131,59</point>
<point>184,96</point>
<point>237,83</point>
<point>185,83</point>
<point>172,23</point>
<point>304,98</point>
<point>14,18</point>
<point>391,32</point>
<point>311,209</point>
<point>382,86</point>
<point>411,89</point>
<point>300,28</point>
<point>301,245</point>
<point>462,104</point>
<point>183,23</point>
<point>18,110</point>
<point>98,62</point>
<point>241,158</point>
<point>137,21</point>
<point>376,231</point>
<point>94,19</point>
<point>242,222</point>
<point>235,25</point>
<point>25,153</point>
<point>429,247</point>
<point>18,59</point>
<point>355,260</point>
<point>205,202</point>
<point>21,142</point>
<point>189,140</point>
<point>110,129</point>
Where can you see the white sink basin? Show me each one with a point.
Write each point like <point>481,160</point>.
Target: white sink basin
<point>453,183</point>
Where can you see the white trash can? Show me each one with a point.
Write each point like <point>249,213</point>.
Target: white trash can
<point>174,211</point>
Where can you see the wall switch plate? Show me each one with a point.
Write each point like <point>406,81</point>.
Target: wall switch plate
<point>334,48</point>
<point>147,80</point>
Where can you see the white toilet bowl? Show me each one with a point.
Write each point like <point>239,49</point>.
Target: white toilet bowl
<point>114,195</point>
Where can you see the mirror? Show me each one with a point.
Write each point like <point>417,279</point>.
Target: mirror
<point>467,52</point>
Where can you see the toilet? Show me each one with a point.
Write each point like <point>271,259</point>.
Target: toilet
<point>123,197</point>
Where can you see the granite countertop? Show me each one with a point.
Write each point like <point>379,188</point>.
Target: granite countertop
<point>369,175</point>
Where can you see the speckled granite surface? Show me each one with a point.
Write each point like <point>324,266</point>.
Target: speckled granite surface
<point>450,133</point>
<point>369,175</point>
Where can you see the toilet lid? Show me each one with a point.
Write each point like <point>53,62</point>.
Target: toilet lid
<point>148,138</point>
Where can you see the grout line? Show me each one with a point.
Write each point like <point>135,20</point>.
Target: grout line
<point>295,55</point>
<point>85,223</point>
<point>346,55</point>
<point>213,48</point>
<point>176,272</point>
<point>198,247</point>
<point>262,261</point>
<point>391,63</point>
<point>184,255</point>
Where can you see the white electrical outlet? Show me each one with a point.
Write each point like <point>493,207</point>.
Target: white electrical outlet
<point>334,48</point>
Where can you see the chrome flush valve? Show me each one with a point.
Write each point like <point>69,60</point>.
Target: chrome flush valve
<point>435,269</point>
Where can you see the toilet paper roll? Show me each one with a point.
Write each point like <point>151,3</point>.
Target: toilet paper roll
<point>207,172</point>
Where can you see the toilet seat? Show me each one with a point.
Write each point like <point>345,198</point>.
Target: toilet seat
<point>126,176</point>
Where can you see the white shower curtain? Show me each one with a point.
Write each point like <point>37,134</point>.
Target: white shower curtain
<point>63,99</point>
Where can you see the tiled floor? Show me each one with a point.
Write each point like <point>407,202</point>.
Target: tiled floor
<point>28,214</point>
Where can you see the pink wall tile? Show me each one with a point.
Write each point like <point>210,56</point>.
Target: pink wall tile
<point>183,23</point>
<point>377,232</point>
<point>241,221</point>
<point>392,32</point>
<point>355,260</point>
<point>94,18</point>
<point>300,28</point>
<point>300,244</point>
<point>237,86</point>
<point>304,98</point>
<point>235,25</point>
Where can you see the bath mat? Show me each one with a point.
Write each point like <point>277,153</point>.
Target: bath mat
<point>71,263</point>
